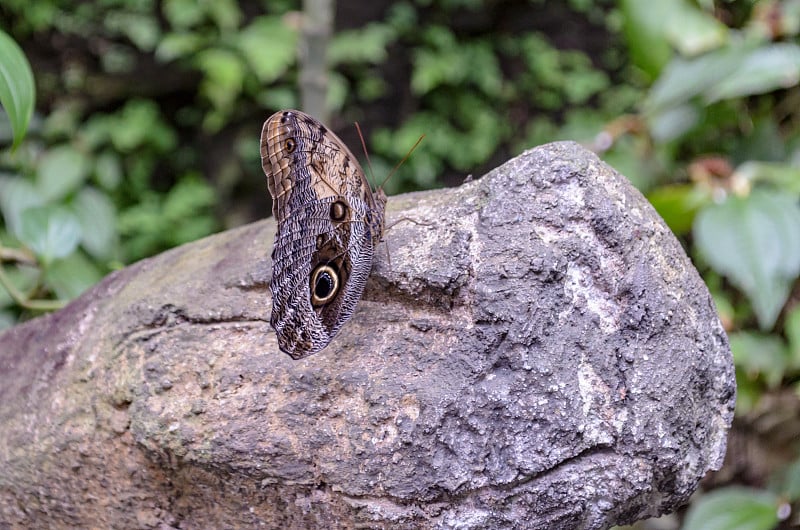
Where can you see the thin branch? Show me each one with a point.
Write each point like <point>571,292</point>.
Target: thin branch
<point>23,301</point>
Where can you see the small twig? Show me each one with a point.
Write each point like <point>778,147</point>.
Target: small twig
<point>17,255</point>
<point>22,300</point>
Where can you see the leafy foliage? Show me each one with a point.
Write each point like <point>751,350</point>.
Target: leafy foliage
<point>17,92</point>
<point>734,509</point>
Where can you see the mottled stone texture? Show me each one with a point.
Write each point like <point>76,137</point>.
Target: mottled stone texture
<point>539,354</point>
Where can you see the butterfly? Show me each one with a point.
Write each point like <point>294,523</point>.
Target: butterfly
<point>329,223</point>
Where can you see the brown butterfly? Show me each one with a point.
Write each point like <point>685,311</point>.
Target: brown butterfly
<point>329,222</point>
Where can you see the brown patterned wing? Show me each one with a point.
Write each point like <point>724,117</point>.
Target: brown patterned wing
<point>329,222</point>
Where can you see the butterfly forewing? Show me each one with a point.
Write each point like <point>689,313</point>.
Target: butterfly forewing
<point>329,222</point>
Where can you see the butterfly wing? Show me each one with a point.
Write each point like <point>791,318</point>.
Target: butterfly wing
<point>329,222</point>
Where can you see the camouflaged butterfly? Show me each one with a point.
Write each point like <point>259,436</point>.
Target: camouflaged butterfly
<point>329,222</point>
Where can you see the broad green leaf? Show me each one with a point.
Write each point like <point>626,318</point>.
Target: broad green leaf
<point>653,28</point>
<point>278,97</point>
<point>748,393</point>
<point>225,13</point>
<point>453,63</point>
<point>118,60</point>
<point>786,482</point>
<point>183,14</point>
<point>486,74</point>
<point>176,45</point>
<point>98,220</point>
<point>338,88</point>
<point>142,29</point>
<point>269,45</point>
<point>693,31</point>
<point>581,80</point>
<point>61,171</point>
<point>108,170</point>
<point>678,205</point>
<point>765,69</point>
<point>683,79</point>
<point>71,276</point>
<point>17,89</point>
<point>224,76</point>
<point>733,508</point>
<point>62,121</point>
<point>783,176</point>
<point>673,122</point>
<point>791,487</point>
<point>17,195</point>
<point>432,69</point>
<point>755,242</point>
<point>644,32</point>
<point>188,196</point>
<point>51,232</point>
<point>760,356</point>
<point>138,123</point>
<point>363,45</point>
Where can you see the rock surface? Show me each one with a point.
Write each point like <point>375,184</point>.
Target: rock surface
<point>542,354</point>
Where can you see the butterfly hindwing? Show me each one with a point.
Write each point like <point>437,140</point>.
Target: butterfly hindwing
<point>329,222</point>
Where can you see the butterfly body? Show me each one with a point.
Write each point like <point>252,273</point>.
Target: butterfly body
<point>329,222</point>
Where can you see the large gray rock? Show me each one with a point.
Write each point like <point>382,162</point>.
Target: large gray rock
<point>541,354</point>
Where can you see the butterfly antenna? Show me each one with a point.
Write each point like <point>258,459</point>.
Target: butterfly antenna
<point>396,167</point>
<point>366,154</point>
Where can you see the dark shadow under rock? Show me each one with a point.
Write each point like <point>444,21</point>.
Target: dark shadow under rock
<point>542,354</point>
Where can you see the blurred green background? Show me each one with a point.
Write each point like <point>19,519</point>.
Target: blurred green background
<point>141,132</point>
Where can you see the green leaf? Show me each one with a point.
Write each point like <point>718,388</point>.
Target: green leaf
<point>338,88</point>
<point>176,45</point>
<point>786,482</point>
<point>140,123</point>
<point>673,122</point>
<point>760,356</point>
<point>679,204</point>
<point>71,276</point>
<point>782,176</point>
<point>16,196</point>
<point>17,89</point>
<point>98,219</point>
<point>693,31</point>
<point>269,47</point>
<point>277,97</point>
<point>142,29</point>
<point>364,45</point>
<point>763,70</point>
<point>755,242</point>
<point>683,79</point>
<point>644,32</point>
<point>733,508</point>
<point>61,171</point>
<point>748,393</point>
<point>51,232</point>
<point>183,14</point>
<point>653,28</point>
<point>225,13</point>
<point>792,483</point>
<point>108,170</point>
<point>188,196</point>
<point>224,76</point>
<point>449,62</point>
